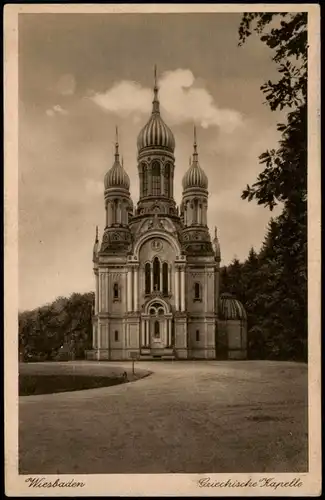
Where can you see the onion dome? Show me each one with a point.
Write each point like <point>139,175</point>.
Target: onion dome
<point>156,134</point>
<point>195,177</point>
<point>116,177</point>
<point>231,308</point>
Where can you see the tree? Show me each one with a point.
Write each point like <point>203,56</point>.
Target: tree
<point>68,321</point>
<point>282,291</point>
<point>284,178</point>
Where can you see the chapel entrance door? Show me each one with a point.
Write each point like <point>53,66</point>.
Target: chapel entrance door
<point>157,327</point>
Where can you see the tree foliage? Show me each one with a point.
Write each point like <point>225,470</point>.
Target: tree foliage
<point>284,178</point>
<point>273,283</point>
<point>65,322</point>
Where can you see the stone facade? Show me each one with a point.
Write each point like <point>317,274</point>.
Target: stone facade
<point>156,268</point>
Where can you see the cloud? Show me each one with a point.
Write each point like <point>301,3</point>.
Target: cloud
<point>56,110</point>
<point>182,98</point>
<point>125,98</point>
<point>185,101</point>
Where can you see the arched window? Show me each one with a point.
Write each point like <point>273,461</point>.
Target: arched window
<point>116,335</point>
<point>147,278</point>
<point>167,180</point>
<point>165,278</point>
<point>197,291</point>
<point>197,335</point>
<point>116,294</point>
<point>145,179</point>
<point>157,332</point>
<point>156,274</point>
<point>156,181</point>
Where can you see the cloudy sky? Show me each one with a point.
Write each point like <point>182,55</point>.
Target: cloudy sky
<point>79,76</point>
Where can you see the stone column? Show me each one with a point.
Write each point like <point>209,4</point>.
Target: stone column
<point>161,278</point>
<point>143,333</point>
<point>151,276</point>
<point>122,212</point>
<point>108,214</point>
<point>147,333</point>
<point>129,286</point>
<point>105,292</point>
<point>205,211</point>
<point>149,174</point>
<point>99,335</point>
<point>162,180</point>
<point>119,212</point>
<point>216,298</point>
<point>135,292</point>
<point>101,290</point>
<point>188,214</point>
<point>97,292</point>
<point>141,180</point>
<point>206,290</point>
<point>176,289</point>
<point>182,289</point>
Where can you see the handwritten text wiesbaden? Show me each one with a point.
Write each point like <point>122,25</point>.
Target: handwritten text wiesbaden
<point>41,482</point>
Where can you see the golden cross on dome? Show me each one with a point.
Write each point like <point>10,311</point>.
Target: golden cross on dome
<point>116,142</point>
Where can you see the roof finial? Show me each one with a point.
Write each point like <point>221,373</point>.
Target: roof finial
<point>122,161</point>
<point>116,143</point>
<point>195,154</point>
<point>155,102</point>
<point>155,75</point>
<point>215,233</point>
<point>96,239</point>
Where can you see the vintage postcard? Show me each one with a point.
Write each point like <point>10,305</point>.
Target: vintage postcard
<point>162,250</point>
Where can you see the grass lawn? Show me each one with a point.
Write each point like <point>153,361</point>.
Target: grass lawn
<point>47,384</point>
<point>48,378</point>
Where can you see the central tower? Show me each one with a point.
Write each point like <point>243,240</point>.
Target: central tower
<point>156,163</point>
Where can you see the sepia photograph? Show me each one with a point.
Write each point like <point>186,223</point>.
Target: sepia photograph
<point>162,228</point>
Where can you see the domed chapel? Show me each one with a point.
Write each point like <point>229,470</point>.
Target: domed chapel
<point>156,268</point>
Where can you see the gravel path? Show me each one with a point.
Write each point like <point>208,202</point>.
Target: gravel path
<point>186,417</point>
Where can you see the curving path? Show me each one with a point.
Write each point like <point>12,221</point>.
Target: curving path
<point>186,417</point>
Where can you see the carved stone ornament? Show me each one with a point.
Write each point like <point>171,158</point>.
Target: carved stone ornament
<point>115,276</point>
<point>197,275</point>
<point>156,245</point>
